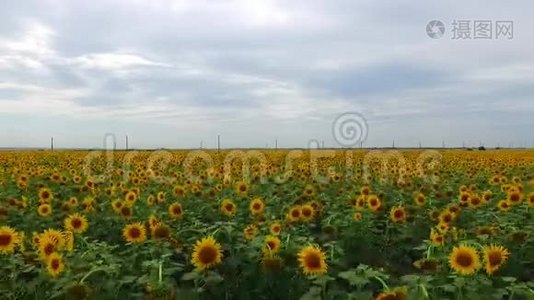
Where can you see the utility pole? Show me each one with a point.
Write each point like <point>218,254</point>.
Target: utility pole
<point>218,143</point>
<point>126,143</point>
<point>419,144</point>
<point>443,144</point>
<point>322,144</point>
<point>393,146</point>
<point>200,144</point>
<point>276,144</point>
<point>52,143</point>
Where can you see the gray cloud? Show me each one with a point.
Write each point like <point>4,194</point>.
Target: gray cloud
<point>256,70</point>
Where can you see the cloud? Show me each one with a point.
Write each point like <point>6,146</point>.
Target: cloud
<point>256,70</point>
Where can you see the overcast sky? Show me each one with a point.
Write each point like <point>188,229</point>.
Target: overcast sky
<point>173,73</point>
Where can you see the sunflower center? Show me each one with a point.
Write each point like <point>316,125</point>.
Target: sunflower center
<point>48,249</point>
<point>229,207</point>
<point>306,212</point>
<point>494,258</point>
<point>398,214</point>
<point>295,213</point>
<point>256,206</point>
<point>313,261</point>
<point>271,245</point>
<point>76,223</point>
<point>207,255</point>
<point>5,239</point>
<point>464,259</point>
<point>135,232</point>
<point>54,264</point>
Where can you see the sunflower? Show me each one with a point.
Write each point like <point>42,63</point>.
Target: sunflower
<point>357,216</point>
<point>241,188</point>
<point>464,259</point>
<point>250,231</point>
<point>76,223</point>
<point>130,198</point>
<point>55,236</point>
<point>69,240</point>
<point>530,199</point>
<point>307,212</point>
<point>44,210</point>
<point>179,191</point>
<point>271,262</point>
<point>420,199</point>
<point>294,213</point>
<point>475,201</point>
<point>46,247</point>
<point>9,239</point>
<point>161,231</point>
<point>45,195</point>
<point>117,205</point>
<point>272,244</point>
<point>126,211</point>
<point>426,264</point>
<point>153,221</point>
<point>275,228</point>
<point>373,202</point>
<point>446,217</point>
<point>55,265</point>
<point>256,206</point>
<point>515,197</point>
<point>398,214</point>
<point>160,197</point>
<point>312,260</point>
<point>399,293</point>
<point>175,211</point>
<point>494,257</point>
<point>436,238</point>
<point>503,205</point>
<point>134,233</point>
<point>206,253</point>
<point>228,207</point>
<point>150,200</point>
<point>361,202</point>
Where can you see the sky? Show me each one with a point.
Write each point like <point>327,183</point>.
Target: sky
<point>175,74</point>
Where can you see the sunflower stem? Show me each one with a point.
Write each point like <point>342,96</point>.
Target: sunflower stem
<point>384,285</point>
<point>160,272</point>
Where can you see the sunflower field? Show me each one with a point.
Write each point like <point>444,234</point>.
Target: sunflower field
<point>267,224</point>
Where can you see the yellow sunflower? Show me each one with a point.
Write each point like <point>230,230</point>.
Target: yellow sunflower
<point>228,207</point>
<point>45,195</point>
<point>271,262</point>
<point>464,259</point>
<point>272,244</point>
<point>420,199</point>
<point>44,210</point>
<point>530,199</point>
<point>312,260</point>
<point>250,231</point>
<point>400,293</point>
<point>398,214</point>
<point>175,210</point>
<point>55,265</point>
<point>207,253</point>
<point>134,233</point>
<point>294,213</point>
<point>494,257</point>
<point>306,212</point>
<point>256,206</point>
<point>275,228</point>
<point>76,223</point>
<point>9,239</point>
<point>373,202</point>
